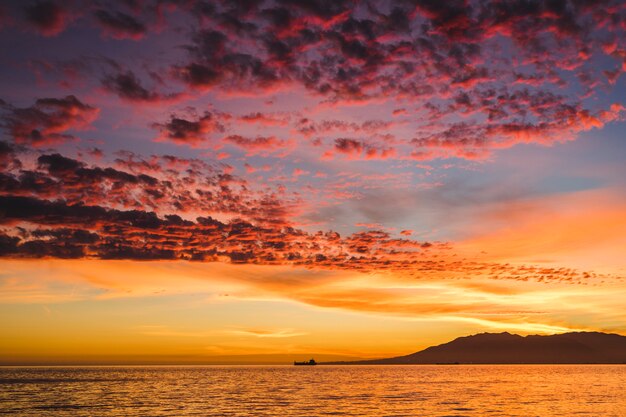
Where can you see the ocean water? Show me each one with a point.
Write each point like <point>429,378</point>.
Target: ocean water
<point>423,390</point>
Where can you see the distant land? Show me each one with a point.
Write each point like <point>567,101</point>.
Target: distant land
<point>507,348</point>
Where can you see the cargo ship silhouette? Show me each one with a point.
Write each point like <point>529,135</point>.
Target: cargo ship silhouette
<point>311,362</point>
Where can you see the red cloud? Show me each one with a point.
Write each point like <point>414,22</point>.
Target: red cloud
<point>192,132</point>
<point>128,87</point>
<point>48,17</point>
<point>68,209</point>
<point>166,184</point>
<point>264,119</point>
<point>436,59</point>
<point>413,52</point>
<point>358,149</point>
<point>119,25</point>
<point>309,127</point>
<point>48,120</point>
<point>259,144</point>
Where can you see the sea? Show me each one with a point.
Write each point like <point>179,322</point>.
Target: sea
<point>377,390</point>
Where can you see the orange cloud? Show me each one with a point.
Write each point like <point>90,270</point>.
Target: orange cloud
<point>388,294</point>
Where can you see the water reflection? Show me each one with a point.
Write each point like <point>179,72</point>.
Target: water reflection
<point>472,390</point>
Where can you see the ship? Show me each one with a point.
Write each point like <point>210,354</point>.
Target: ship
<point>310,363</point>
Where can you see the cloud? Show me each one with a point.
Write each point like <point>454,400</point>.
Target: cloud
<point>8,157</point>
<point>552,119</point>
<point>264,119</point>
<point>266,333</point>
<point>309,127</point>
<point>167,183</point>
<point>47,121</point>
<point>192,132</point>
<point>274,158</point>
<point>528,306</point>
<point>38,224</point>
<point>128,87</point>
<point>48,17</point>
<point>358,149</point>
<point>66,208</point>
<point>467,79</point>
<point>259,144</point>
<point>118,25</point>
<point>439,64</point>
<point>89,231</point>
<point>427,53</point>
<point>215,64</point>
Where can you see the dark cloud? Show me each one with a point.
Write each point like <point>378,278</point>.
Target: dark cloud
<point>128,87</point>
<point>47,121</point>
<point>358,149</point>
<point>259,144</point>
<point>164,183</point>
<point>8,157</point>
<point>346,145</point>
<point>66,208</point>
<point>450,18</point>
<point>199,75</point>
<point>448,56</point>
<point>310,127</point>
<point>56,229</point>
<point>216,60</point>
<point>58,164</point>
<point>265,119</point>
<point>324,9</point>
<point>77,231</point>
<point>48,17</point>
<point>192,131</point>
<point>523,116</point>
<point>454,66</point>
<point>119,25</point>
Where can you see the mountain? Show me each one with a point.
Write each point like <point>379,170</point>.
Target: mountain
<point>578,347</point>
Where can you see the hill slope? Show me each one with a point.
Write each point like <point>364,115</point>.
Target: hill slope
<point>579,347</point>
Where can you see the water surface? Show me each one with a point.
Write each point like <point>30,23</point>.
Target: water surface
<point>423,390</point>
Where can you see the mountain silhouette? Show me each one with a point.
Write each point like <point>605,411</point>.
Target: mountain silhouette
<point>494,348</point>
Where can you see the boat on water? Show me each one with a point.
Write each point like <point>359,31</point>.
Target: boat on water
<point>311,362</point>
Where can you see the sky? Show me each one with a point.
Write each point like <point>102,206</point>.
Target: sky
<point>264,180</point>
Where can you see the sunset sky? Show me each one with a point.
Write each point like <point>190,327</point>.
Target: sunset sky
<point>190,181</point>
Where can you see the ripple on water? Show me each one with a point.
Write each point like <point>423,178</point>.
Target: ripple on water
<point>497,390</point>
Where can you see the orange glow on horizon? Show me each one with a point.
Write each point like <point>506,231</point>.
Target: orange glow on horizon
<point>155,312</point>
